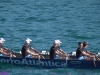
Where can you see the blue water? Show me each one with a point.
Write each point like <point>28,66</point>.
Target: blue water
<point>44,21</point>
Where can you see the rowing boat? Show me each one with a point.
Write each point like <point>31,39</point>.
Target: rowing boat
<point>49,63</point>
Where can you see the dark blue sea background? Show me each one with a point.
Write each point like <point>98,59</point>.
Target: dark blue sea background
<point>44,21</point>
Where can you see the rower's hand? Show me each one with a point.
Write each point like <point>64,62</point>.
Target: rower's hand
<point>92,56</point>
<point>96,55</point>
<point>8,54</point>
<point>40,53</point>
<point>66,55</point>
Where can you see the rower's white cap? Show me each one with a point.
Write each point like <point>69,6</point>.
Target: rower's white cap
<point>28,40</point>
<point>57,41</point>
<point>2,39</point>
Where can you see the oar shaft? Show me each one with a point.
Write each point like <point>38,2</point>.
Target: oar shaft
<point>94,61</point>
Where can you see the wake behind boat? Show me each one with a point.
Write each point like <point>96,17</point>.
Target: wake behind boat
<point>50,64</point>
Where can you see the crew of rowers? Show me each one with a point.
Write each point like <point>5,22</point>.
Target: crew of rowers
<point>55,51</point>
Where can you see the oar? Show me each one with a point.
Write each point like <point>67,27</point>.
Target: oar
<point>66,61</point>
<point>94,61</point>
<point>39,60</point>
<point>11,58</point>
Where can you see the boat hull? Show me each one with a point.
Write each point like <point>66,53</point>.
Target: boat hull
<point>50,64</point>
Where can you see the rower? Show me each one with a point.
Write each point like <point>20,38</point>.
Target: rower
<point>82,53</point>
<point>5,51</point>
<point>92,55</point>
<point>79,50</point>
<point>56,52</point>
<point>28,51</point>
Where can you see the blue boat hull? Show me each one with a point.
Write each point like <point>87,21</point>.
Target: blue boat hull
<point>50,64</point>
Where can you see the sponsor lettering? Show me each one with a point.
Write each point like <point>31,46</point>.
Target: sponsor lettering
<point>75,62</point>
<point>33,62</point>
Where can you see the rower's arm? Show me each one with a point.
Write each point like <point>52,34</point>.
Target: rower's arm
<point>58,53</point>
<point>35,50</point>
<point>62,51</point>
<point>6,48</point>
<point>1,51</point>
<point>90,52</point>
<point>86,54</point>
<point>28,51</point>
